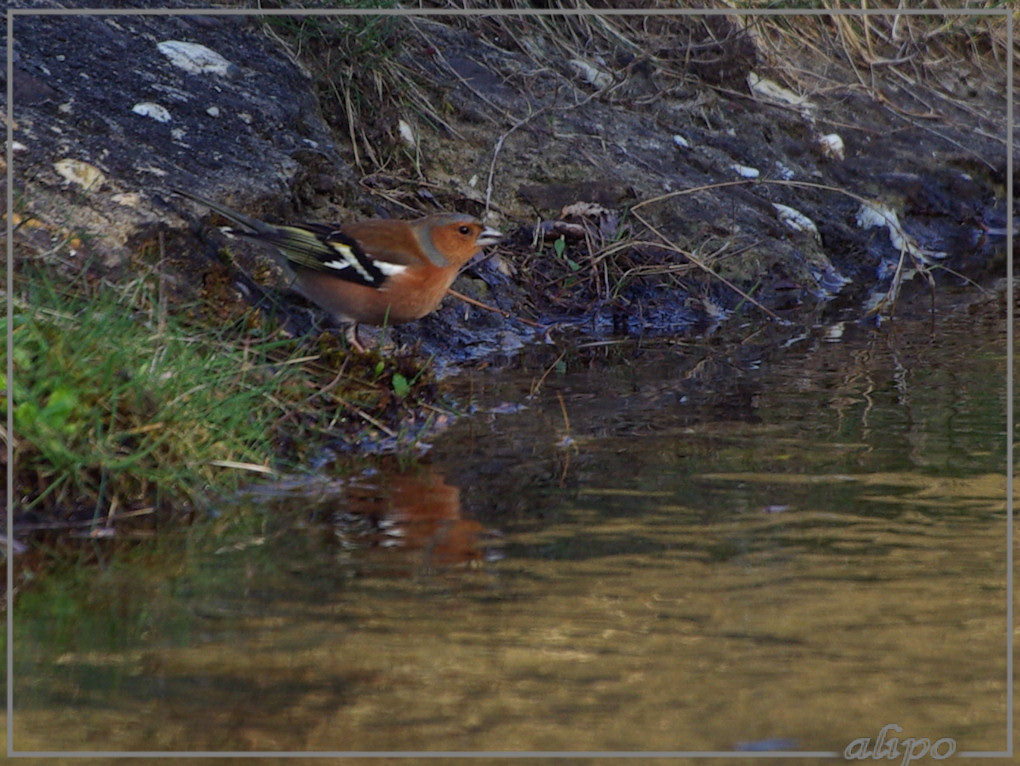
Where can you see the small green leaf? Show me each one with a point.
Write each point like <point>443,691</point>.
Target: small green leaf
<point>380,366</point>
<point>61,404</point>
<point>574,265</point>
<point>26,415</point>
<point>560,245</point>
<point>400,385</point>
<point>22,358</point>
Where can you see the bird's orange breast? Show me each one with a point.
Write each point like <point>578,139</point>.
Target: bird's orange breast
<point>404,297</point>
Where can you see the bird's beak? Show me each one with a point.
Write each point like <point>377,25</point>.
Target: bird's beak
<point>489,236</point>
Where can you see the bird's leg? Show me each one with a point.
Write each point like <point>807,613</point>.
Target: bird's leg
<point>352,338</point>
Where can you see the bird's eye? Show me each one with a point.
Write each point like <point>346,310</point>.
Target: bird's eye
<point>465,230</point>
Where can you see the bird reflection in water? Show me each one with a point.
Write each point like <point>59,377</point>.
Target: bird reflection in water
<point>415,513</point>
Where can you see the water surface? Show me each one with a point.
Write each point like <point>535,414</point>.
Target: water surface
<point>668,547</point>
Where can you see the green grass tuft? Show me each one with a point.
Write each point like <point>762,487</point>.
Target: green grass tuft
<point>115,408</point>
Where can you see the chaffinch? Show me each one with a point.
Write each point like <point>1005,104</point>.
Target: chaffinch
<point>376,271</point>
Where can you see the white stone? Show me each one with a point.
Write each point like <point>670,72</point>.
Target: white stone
<point>773,91</point>
<point>406,134</point>
<point>592,74</point>
<point>81,173</point>
<point>194,58</point>
<point>784,172</point>
<point>795,219</point>
<point>831,145</point>
<point>153,110</point>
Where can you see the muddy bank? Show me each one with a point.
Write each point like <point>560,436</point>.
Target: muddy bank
<point>682,198</point>
<point>656,174</point>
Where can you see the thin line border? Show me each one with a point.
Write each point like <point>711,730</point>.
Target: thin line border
<point>9,286</point>
<point>1010,128</point>
<point>12,13</point>
<point>505,12</point>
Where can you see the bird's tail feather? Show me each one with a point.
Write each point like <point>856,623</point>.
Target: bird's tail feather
<point>254,225</point>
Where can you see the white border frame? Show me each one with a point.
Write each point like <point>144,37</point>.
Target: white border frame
<point>13,13</point>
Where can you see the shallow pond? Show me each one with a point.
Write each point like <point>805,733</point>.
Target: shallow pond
<point>671,548</point>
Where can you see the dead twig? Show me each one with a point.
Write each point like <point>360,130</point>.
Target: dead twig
<point>669,245</point>
<point>367,418</point>
<point>499,146</point>
<point>487,307</point>
<point>537,385</point>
